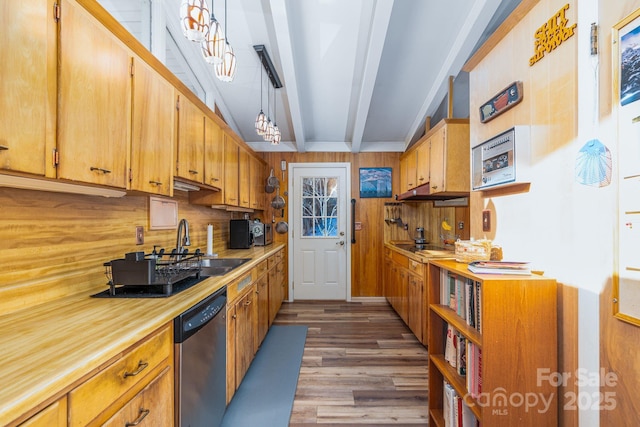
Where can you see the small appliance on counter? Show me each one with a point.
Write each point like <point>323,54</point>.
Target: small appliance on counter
<point>240,234</point>
<point>419,238</point>
<point>262,233</point>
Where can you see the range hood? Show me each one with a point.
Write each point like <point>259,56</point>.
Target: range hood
<point>423,192</point>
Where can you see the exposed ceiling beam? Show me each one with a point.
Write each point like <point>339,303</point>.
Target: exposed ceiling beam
<point>470,32</point>
<point>379,26</point>
<point>283,38</point>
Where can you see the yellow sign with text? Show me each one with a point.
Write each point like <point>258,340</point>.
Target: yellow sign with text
<point>552,34</point>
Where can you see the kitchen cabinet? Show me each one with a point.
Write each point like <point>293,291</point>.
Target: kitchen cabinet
<point>112,388</point>
<point>190,144</point>
<point>408,164</point>
<point>213,153</point>
<point>152,133</point>
<point>94,110</point>
<point>449,157</point>
<point>276,284</point>
<point>256,189</point>
<point>151,407</point>
<point>231,165</point>
<point>28,75</point>
<point>262,295</point>
<point>423,152</point>
<point>415,299</point>
<point>244,177</point>
<point>54,415</point>
<point>242,312</point>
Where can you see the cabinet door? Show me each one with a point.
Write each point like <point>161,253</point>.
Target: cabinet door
<point>152,406</point>
<point>437,163</point>
<point>152,131</point>
<point>54,415</point>
<point>262,290</point>
<point>273,294</point>
<point>232,317</point>
<point>214,154</point>
<point>244,335</point>
<point>415,307</point>
<point>422,168</point>
<point>190,158</point>
<point>28,82</point>
<point>256,189</point>
<point>231,163</point>
<point>244,177</point>
<point>94,101</point>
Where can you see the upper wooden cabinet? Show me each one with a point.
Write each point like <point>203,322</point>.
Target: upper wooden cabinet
<point>28,76</point>
<point>256,189</point>
<point>408,170</point>
<point>244,178</point>
<point>423,156</point>
<point>152,132</point>
<point>213,153</point>
<point>190,144</point>
<point>231,165</point>
<point>449,157</point>
<point>94,112</point>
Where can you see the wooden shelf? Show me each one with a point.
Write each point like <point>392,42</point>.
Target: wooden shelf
<point>452,318</point>
<point>458,382</point>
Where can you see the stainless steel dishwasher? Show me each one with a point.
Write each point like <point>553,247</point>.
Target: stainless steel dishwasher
<point>200,362</point>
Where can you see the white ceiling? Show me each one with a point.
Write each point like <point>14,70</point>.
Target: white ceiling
<point>358,75</point>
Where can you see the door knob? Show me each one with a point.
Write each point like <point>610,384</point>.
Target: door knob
<point>341,243</point>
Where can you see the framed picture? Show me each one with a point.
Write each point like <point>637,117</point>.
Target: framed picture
<point>626,91</point>
<point>375,182</point>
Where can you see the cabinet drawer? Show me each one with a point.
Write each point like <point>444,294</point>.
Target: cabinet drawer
<point>239,286</point>
<point>279,255</point>
<point>90,399</point>
<point>261,268</point>
<point>415,267</point>
<point>54,415</point>
<point>271,262</point>
<point>400,259</point>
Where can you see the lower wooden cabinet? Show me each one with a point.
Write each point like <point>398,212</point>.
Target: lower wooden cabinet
<point>276,284</point>
<point>152,406</point>
<point>109,391</point>
<point>262,295</point>
<point>404,288</point>
<point>54,415</point>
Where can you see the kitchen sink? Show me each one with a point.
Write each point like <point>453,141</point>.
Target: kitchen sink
<point>220,266</point>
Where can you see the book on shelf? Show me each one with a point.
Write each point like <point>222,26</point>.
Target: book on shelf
<point>461,355</point>
<point>455,411</point>
<point>474,369</point>
<point>451,346</point>
<point>500,267</point>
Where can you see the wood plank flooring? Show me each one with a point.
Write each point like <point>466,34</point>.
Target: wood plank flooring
<point>361,366</point>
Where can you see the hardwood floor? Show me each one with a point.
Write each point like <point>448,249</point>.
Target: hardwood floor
<point>361,366</point>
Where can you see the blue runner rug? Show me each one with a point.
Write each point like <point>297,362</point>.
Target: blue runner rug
<point>265,396</point>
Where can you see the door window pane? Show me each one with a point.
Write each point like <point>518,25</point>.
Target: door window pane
<point>320,207</point>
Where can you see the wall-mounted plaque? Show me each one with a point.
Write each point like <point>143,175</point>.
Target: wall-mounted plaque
<point>503,101</point>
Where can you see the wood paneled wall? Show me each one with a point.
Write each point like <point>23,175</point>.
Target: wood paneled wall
<point>55,244</point>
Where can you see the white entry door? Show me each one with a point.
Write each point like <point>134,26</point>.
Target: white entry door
<point>321,248</point>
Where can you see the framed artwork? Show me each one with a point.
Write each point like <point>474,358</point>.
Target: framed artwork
<point>626,91</point>
<point>375,182</point>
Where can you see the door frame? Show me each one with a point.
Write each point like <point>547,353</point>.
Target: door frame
<point>290,213</point>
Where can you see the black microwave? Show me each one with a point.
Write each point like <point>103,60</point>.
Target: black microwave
<point>240,234</point>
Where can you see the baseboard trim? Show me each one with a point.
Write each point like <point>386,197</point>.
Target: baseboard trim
<point>368,299</point>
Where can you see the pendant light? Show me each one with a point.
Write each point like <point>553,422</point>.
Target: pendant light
<point>277,136</point>
<point>268,135</point>
<point>213,43</point>
<point>261,119</point>
<point>194,15</point>
<point>226,70</point>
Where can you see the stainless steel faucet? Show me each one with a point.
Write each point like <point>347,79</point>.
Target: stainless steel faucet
<point>182,241</point>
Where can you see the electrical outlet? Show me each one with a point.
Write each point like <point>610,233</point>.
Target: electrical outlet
<point>139,235</point>
<point>486,220</point>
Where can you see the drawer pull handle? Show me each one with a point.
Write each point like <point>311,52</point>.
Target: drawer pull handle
<point>105,171</point>
<point>247,302</point>
<point>3,147</point>
<point>141,367</point>
<point>157,183</point>
<point>141,416</point>
<point>193,172</point>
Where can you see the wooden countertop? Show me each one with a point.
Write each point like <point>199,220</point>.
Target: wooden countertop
<point>49,349</point>
<point>423,256</point>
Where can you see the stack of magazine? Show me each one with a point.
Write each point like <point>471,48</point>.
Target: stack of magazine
<point>500,267</point>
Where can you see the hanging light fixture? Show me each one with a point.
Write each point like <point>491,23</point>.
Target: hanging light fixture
<point>270,131</point>
<point>194,15</point>
<point>277,136</point>
<point>261,119</point>
<point>226,70</point>
<point>213,43</point>
<point>268,134</point>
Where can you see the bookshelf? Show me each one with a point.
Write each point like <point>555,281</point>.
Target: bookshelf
<point>513,325</point>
